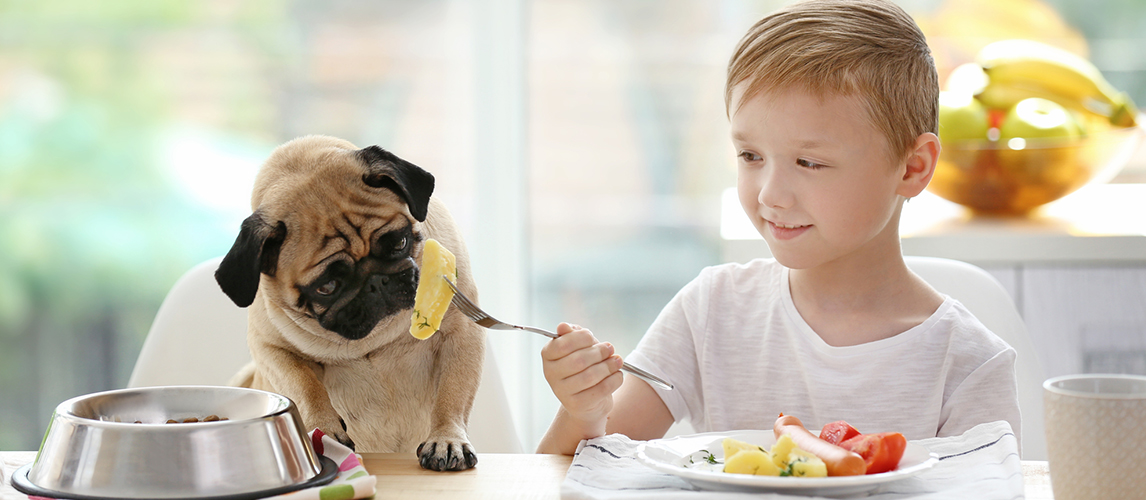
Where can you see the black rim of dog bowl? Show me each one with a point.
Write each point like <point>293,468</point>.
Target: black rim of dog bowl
<point>21,482</point>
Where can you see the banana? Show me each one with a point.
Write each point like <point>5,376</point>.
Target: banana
<point>1005,95</point>
<point>1018,69</point>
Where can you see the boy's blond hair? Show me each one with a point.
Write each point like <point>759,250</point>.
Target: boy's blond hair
<point>869,48</point>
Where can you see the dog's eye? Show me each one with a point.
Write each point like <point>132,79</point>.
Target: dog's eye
<point>400,245</point>
<point>328,288</point>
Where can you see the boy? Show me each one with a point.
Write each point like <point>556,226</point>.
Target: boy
<point>833,112</point>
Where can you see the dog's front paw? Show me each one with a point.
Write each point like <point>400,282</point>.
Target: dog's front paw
<point>446,454</point>
<point>338,432</point>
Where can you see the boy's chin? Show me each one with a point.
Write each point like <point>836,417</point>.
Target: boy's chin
<point>789,259</point>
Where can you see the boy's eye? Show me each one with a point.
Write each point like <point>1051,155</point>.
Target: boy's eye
<point>750,156</point>
<point>808,164</point>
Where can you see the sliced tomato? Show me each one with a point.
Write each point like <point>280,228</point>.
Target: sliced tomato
<point>838,432</point>
<point>881,452</point>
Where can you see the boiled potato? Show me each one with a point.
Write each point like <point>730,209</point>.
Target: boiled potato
<point>754,462</point>
<point>433,296</point>
<point>731,446</point>
<point>781,450</point>
<point>804,464</point>
<point>783,459</point>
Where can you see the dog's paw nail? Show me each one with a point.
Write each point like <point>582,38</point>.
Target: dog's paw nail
<point>419,452</point>
<point>453,463</point>
<point>427,456</point>
<point>471,459</point>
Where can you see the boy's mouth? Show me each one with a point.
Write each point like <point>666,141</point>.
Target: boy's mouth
<point>782,231</point>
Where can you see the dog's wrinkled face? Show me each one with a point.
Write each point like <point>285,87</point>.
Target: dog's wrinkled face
<point>334,237</point>
<point>350,297</point>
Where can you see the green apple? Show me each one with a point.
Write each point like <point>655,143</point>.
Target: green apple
<point>961,117</point>
<point>1037,118</point>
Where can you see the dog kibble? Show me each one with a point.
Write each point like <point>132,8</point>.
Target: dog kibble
<point>192,420</point>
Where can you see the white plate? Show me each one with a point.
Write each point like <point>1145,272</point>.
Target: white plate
<point>668,455</point>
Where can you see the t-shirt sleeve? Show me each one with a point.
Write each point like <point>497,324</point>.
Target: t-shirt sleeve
<point>670,347</point>
<point>989,393</point>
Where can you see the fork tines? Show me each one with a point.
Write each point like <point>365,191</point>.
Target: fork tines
<point>464,304</point>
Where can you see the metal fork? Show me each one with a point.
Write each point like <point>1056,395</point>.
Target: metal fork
<point>473,312</point>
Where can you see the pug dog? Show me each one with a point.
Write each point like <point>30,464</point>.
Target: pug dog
<point>327,266</point>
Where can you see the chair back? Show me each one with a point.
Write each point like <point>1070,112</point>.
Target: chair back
<point>986,298</point>
<point>199,337</point>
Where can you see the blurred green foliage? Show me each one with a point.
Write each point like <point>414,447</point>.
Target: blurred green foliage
<point>93,231</point>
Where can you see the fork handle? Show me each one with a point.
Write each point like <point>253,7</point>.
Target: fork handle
<point>637,372</point>
<point>646,376</point>
<point>546,333</point>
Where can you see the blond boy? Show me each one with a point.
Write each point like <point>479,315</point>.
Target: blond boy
<point>833,112</point>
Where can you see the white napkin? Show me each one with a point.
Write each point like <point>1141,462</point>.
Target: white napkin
<point>982,463</point>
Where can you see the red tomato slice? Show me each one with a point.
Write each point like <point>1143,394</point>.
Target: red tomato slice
<point>881,452</point>
<point>838,432</point>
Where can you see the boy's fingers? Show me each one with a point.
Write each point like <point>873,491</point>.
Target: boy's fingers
<point>593,375</point>
<point>565,344</point>
<point>564,328</point>
<point>579,360</point>
<point>605,387</point>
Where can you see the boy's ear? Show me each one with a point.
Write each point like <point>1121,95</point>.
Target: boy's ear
<point>920,165</point>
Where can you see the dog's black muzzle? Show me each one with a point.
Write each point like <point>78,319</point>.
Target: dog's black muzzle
<point>382,290</point>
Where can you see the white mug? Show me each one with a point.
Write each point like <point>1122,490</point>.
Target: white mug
<point>1096,436</point>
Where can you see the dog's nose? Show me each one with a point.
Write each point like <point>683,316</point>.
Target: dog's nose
<point>376,283</point>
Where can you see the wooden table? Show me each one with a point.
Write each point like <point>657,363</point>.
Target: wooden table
<point>497,476</point>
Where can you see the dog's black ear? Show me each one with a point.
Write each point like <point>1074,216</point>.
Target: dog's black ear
<point>385,170</point>
<point>255,252</point>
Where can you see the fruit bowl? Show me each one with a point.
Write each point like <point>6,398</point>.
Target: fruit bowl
<point>1016,176</point>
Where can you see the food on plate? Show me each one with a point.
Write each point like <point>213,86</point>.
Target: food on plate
<point>839,461</point>
<point>881,452</point>
<point>838,432</point>
<point>753,462</point>
<point>784,459</point>
<point>433,296</point>
<point>839,450</point>
<point>732,446</point>
<point>799,463</point>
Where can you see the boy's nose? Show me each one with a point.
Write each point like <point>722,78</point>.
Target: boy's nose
<point>775,188</point>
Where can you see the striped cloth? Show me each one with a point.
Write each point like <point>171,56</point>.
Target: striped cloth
<point>982,463</point>
<point>351,482</point>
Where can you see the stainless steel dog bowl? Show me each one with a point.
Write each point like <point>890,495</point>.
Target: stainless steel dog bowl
<point>93,449</point>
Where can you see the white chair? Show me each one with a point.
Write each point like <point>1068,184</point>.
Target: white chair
<point>986,298</point>
<point>199,337</point>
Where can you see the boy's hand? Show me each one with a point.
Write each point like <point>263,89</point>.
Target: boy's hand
<point>583,374</point>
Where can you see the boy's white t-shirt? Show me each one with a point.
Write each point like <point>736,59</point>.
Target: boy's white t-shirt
<point>739,354</point>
